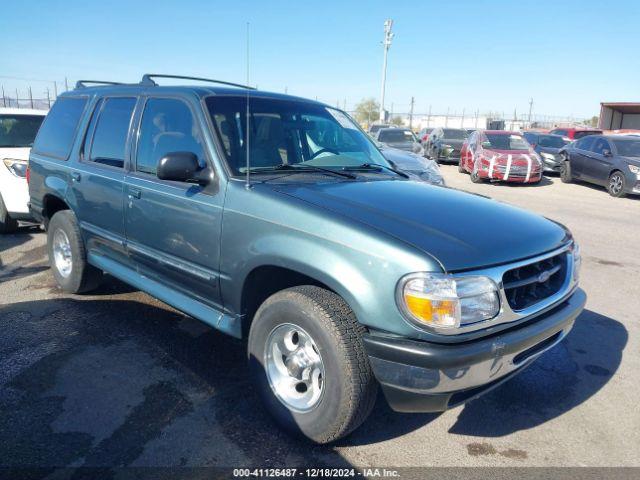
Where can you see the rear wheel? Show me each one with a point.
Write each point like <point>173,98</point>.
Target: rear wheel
<point>7,224</point>
<point>616,185</point>
<point>475,178</point>
<point>67,255</point>
<point>308,362</point>
<point>565,170</point>
<point>460,166</point>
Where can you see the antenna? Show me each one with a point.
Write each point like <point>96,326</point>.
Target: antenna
<point>248,182</point>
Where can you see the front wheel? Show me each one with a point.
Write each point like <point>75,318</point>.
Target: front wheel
<point>67,255</point>
<point>565,171</point>
<point>616,185</point>
<point>475,178</point>
<point>307,360</point>
<point>7,224</point>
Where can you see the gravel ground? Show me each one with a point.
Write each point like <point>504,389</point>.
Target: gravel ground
<point>117,378</point>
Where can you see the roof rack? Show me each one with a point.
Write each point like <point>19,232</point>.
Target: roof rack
<point>83,83</point>
<point>147,79</point>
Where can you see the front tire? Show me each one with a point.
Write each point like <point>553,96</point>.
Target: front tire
<point>565,171</point>
<point>617,184</point>
<point>7,224</point>
<point>67,255</point>
<point>475,178</point>
<point>308,363</point>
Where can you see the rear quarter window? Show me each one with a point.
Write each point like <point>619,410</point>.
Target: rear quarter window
<point>55,137</point>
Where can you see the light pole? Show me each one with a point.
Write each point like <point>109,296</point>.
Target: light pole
<point>386,43</point>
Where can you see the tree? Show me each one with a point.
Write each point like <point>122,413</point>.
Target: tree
<point>593,121</point>
<point>397,121</point>
<point>367,110</point>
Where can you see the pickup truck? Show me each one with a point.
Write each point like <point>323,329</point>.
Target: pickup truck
<point>277,219</point>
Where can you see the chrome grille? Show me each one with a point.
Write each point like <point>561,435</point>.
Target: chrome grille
<point>531,283</point>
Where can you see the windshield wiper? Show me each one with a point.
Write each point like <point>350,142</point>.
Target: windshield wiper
<point>377,166</point>
<point>302,168</point>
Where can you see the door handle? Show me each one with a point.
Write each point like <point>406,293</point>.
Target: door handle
<point>134,193</point>
<point>75,176</point>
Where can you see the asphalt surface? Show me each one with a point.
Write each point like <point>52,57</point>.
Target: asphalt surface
<point>117,378</point>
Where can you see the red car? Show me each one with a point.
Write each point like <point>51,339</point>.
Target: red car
<point>498,155</point>
<point>575,133</point>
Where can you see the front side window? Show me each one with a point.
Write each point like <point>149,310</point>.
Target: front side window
<point>627,147</point>
<point>396,135</point>
<point>56,136</point>
<point>585,143</point>
<point>167,126</point>
<point>19,130</point>
<point>600,145</point>
<point>285,132</point>
<point>110,126</point>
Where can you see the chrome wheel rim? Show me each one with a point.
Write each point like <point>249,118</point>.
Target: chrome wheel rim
<point>294,367</point>
<point>615,184</point>
<point>62,253</point>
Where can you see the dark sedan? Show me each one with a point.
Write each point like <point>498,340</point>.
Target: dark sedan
<point>548,147</point>
<point>400,138</point>
<point>444,144</point>
<point>612,161</point>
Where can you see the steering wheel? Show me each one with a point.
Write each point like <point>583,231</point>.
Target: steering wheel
<point>324,150</point>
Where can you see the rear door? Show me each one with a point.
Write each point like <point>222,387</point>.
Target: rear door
<point>97,184</point>
<point>173,228</point>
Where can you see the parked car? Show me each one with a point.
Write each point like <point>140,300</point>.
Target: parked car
<point>548,147</point>
<point>400,138</point>
<point>444,144</point>
<point>416,166</point>
<point>18,128</point>
<point>373,129</point>
<point>423,134</point>
<point>343,274</point>
<point>612,161</point>
<point>575,133</point>
<point>499,155</point>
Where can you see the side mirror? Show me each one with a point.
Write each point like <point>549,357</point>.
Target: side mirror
<point>182,167</point>
<point>606,152</point>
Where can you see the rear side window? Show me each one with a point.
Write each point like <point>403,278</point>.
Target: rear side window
<point>167,126</point>
<point>55,137</point>
<point>585,134</point>
<point>112,119</point>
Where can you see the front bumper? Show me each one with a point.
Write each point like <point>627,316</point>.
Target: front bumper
<point>418,376</point>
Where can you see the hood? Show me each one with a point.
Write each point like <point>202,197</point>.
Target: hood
<point>425,169</point>
<point>20,153</point>
<point>552,150</point>
<point>406,146</point>
<point>461,230</point>
<point>631,160</point>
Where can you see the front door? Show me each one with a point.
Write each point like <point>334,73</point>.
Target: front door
<point>597,165</point>
<point>173,228</point>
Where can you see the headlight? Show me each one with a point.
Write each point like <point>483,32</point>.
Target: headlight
<point>577,261</point>
<point>635,170</point>
<point>548,156</point>
<point>442,302</point>
<point>17,167</point>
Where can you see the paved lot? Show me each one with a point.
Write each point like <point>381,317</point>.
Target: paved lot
<point>117,378</point>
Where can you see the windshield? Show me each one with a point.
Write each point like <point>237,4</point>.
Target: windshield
<point>454,134</point>
<point>396,135</point>
<point>286,132</point>
<point>627,147</point>
<point>581,134</point>
<point>19,130</point>
<point>552,141</point>
<point>505,142</point>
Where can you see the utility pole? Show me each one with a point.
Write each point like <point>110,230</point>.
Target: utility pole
<point>446,119</point>
<point>4,100</point>
<point>411,113</point>
<point>429,117</point>
<point>55,90</point>
<point>66,85</point>
<point>48,98</point>
<point>386,43</point>
<point>17,99</point>
<point>530,108</point>
<point>30,97</point>
<point>462,120</point>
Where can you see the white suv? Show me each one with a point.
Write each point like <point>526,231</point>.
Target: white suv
<point>18,128</point>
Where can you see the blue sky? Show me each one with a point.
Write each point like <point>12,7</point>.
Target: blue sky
<point>486,55</point>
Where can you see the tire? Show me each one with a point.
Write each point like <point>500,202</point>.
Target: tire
<point>7,224</point>
<point>460,167</point>
<point>565,172</point>
<point>475,178</point>
<point>347,388</point>
<point>617,184</point>
<point>67,255</point>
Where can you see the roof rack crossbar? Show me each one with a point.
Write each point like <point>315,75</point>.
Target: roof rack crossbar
<point>83,83</point>
<point>147,79</point>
